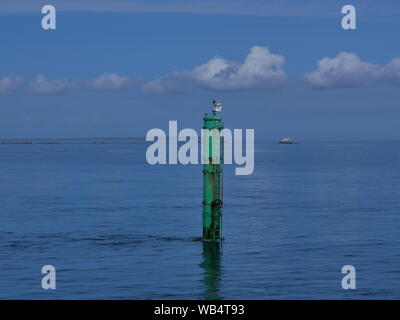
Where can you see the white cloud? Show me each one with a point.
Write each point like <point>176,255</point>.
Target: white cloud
<point>9,84</point>
<point>260,70</point>
<point>48,87</point>
<point>391,71</point>
<point>109,81</point>
<point>348,70</point>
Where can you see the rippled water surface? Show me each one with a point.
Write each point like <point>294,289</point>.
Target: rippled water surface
<point>116,227</point>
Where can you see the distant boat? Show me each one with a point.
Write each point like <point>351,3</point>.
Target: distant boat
<point>286,141</point>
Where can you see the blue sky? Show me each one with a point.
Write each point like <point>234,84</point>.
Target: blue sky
<point>120,68</point>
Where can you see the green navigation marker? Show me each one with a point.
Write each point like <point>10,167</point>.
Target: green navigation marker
<point>212,175</point>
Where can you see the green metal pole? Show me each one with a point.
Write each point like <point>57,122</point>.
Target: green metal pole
<point>212,178</point>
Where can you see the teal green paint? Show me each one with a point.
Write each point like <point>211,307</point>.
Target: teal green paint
<point>212,180</point>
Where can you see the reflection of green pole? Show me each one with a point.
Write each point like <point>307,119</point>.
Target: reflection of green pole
<point>212,269</point>
<point>212,178</point>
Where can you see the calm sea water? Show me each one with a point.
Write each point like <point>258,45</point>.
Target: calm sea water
<point>115,227</point>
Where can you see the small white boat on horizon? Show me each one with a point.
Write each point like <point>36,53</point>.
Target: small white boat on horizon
<point>286,141</point>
